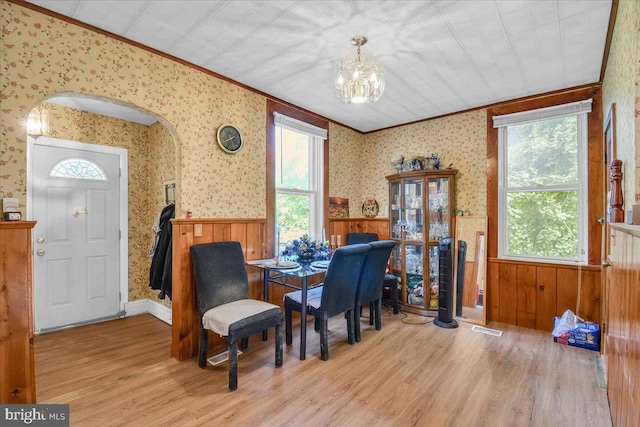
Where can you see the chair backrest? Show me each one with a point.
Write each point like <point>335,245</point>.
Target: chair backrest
<point>220,273</point>
<point>373,272</point>
<point>341,280</point>
<point>354,238</point>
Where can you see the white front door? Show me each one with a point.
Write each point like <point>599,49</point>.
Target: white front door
<point>76,241</point>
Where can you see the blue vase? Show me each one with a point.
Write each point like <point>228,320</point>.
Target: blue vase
<point>305,257</point>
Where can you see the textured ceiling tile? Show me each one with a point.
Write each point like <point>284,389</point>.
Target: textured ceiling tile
<point>440,56</point>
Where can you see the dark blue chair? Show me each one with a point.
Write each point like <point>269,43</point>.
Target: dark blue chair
<point>370,288</point>
<point>390,281</point>
<point>335,296</point>
<point>225,308</point>
<point>355,238</point>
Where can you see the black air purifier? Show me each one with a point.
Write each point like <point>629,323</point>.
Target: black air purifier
<point>445,288</point>
<point>462,258</point>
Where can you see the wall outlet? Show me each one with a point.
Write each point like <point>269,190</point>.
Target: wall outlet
<point>197,230</point>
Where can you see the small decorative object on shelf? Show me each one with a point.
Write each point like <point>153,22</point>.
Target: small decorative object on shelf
<point>432,162</point>
<point>397,161</point>
<point>306,249</point>
<point>416,163</point>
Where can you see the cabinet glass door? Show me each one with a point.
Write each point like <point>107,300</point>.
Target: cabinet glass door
<point>439,208</point>
<point>395,261</point>
<point>414,279</point>
<point>434,283</point>
<point>414,212</point>
<point>395,197</point>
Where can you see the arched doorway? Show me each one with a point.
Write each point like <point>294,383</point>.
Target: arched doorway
<point>150,142</point>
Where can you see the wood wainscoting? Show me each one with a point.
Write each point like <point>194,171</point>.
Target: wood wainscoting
<point>251,233</point>
<point>622,332</point>
<point>17,372</point>
<point>530,294</point>
<point>342,226</point>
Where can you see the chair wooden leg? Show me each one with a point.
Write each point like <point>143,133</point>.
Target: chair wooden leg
<point>350,328</point>
<point>316,325</point>
<point>204,344</point>
<point>287,320</point>
<point>371,309</point>
<point>233,365</point>
<point>378,313</point>
<point>356,323</point>
<point>324,340</point>
<point>279,350</point>
<point>244,343</point>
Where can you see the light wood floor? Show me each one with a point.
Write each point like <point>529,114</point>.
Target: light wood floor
<point>120,373</point>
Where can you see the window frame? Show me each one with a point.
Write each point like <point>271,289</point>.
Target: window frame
<point>312,119</point>
<point>316,166</point>
<point>581,110</point>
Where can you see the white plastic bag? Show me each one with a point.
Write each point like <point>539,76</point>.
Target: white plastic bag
<point>562,324</point>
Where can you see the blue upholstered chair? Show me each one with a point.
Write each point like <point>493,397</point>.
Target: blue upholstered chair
<point>336,295</point>
<point>354,238</point>
<point>370,288</point>
<point>225,308</point>
<point>390,281</point>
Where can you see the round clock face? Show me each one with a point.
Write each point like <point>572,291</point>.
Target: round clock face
<point>229,138</point>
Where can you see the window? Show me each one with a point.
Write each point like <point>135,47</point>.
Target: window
<point>298,179</point>
<point>77,168</point>
<point>542,185</point>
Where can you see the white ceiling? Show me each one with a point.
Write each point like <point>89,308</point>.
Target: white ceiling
<point>440,56</point>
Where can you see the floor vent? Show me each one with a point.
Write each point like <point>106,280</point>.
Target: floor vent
<point>219,358</point>
<point>487,331</point>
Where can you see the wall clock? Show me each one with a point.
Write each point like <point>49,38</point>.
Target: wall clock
<point>230,139</point>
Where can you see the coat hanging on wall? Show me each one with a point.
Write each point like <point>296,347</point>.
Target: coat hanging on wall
<point>160,271</point>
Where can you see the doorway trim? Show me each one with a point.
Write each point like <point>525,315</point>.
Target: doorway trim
<point>124,196</point>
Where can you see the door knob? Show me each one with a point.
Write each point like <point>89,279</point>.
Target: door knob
<point>40,239</point>
<point>40,252</point>
<point>606,264</point>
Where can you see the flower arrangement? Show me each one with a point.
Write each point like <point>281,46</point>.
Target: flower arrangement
<point>306,249</point>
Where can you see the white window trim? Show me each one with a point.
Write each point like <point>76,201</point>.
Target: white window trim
<point>316,169</point>
<point>580,109</point>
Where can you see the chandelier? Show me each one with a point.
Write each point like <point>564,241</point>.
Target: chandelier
<point>359,77</point>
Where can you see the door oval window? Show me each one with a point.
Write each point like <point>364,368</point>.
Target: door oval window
<point>78,169</point>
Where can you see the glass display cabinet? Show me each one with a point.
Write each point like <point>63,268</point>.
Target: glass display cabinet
<point>421,212</point>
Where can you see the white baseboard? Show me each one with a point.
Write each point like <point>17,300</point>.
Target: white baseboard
<point>143,306</point>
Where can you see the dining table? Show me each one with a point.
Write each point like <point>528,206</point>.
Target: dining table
<point>295,275</point>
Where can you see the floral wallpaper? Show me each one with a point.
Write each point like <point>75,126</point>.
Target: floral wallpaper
<point>619,86</point>
<point>162,161</point>
<point>43,56</point>
<point>637,110</point>
<point>151,157</point>
<point>459,140</point>
<point>346,166</point>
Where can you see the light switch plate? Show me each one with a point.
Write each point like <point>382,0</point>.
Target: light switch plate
<point>197,230</point>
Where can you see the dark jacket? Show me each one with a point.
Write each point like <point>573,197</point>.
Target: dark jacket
<point>160,271</point>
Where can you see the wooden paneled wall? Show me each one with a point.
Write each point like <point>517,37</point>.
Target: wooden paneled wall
<point>531,294</point>
<point>340,227</point>
<point>17,372</point>
<point>251,233</point>
<point>622,333</point>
